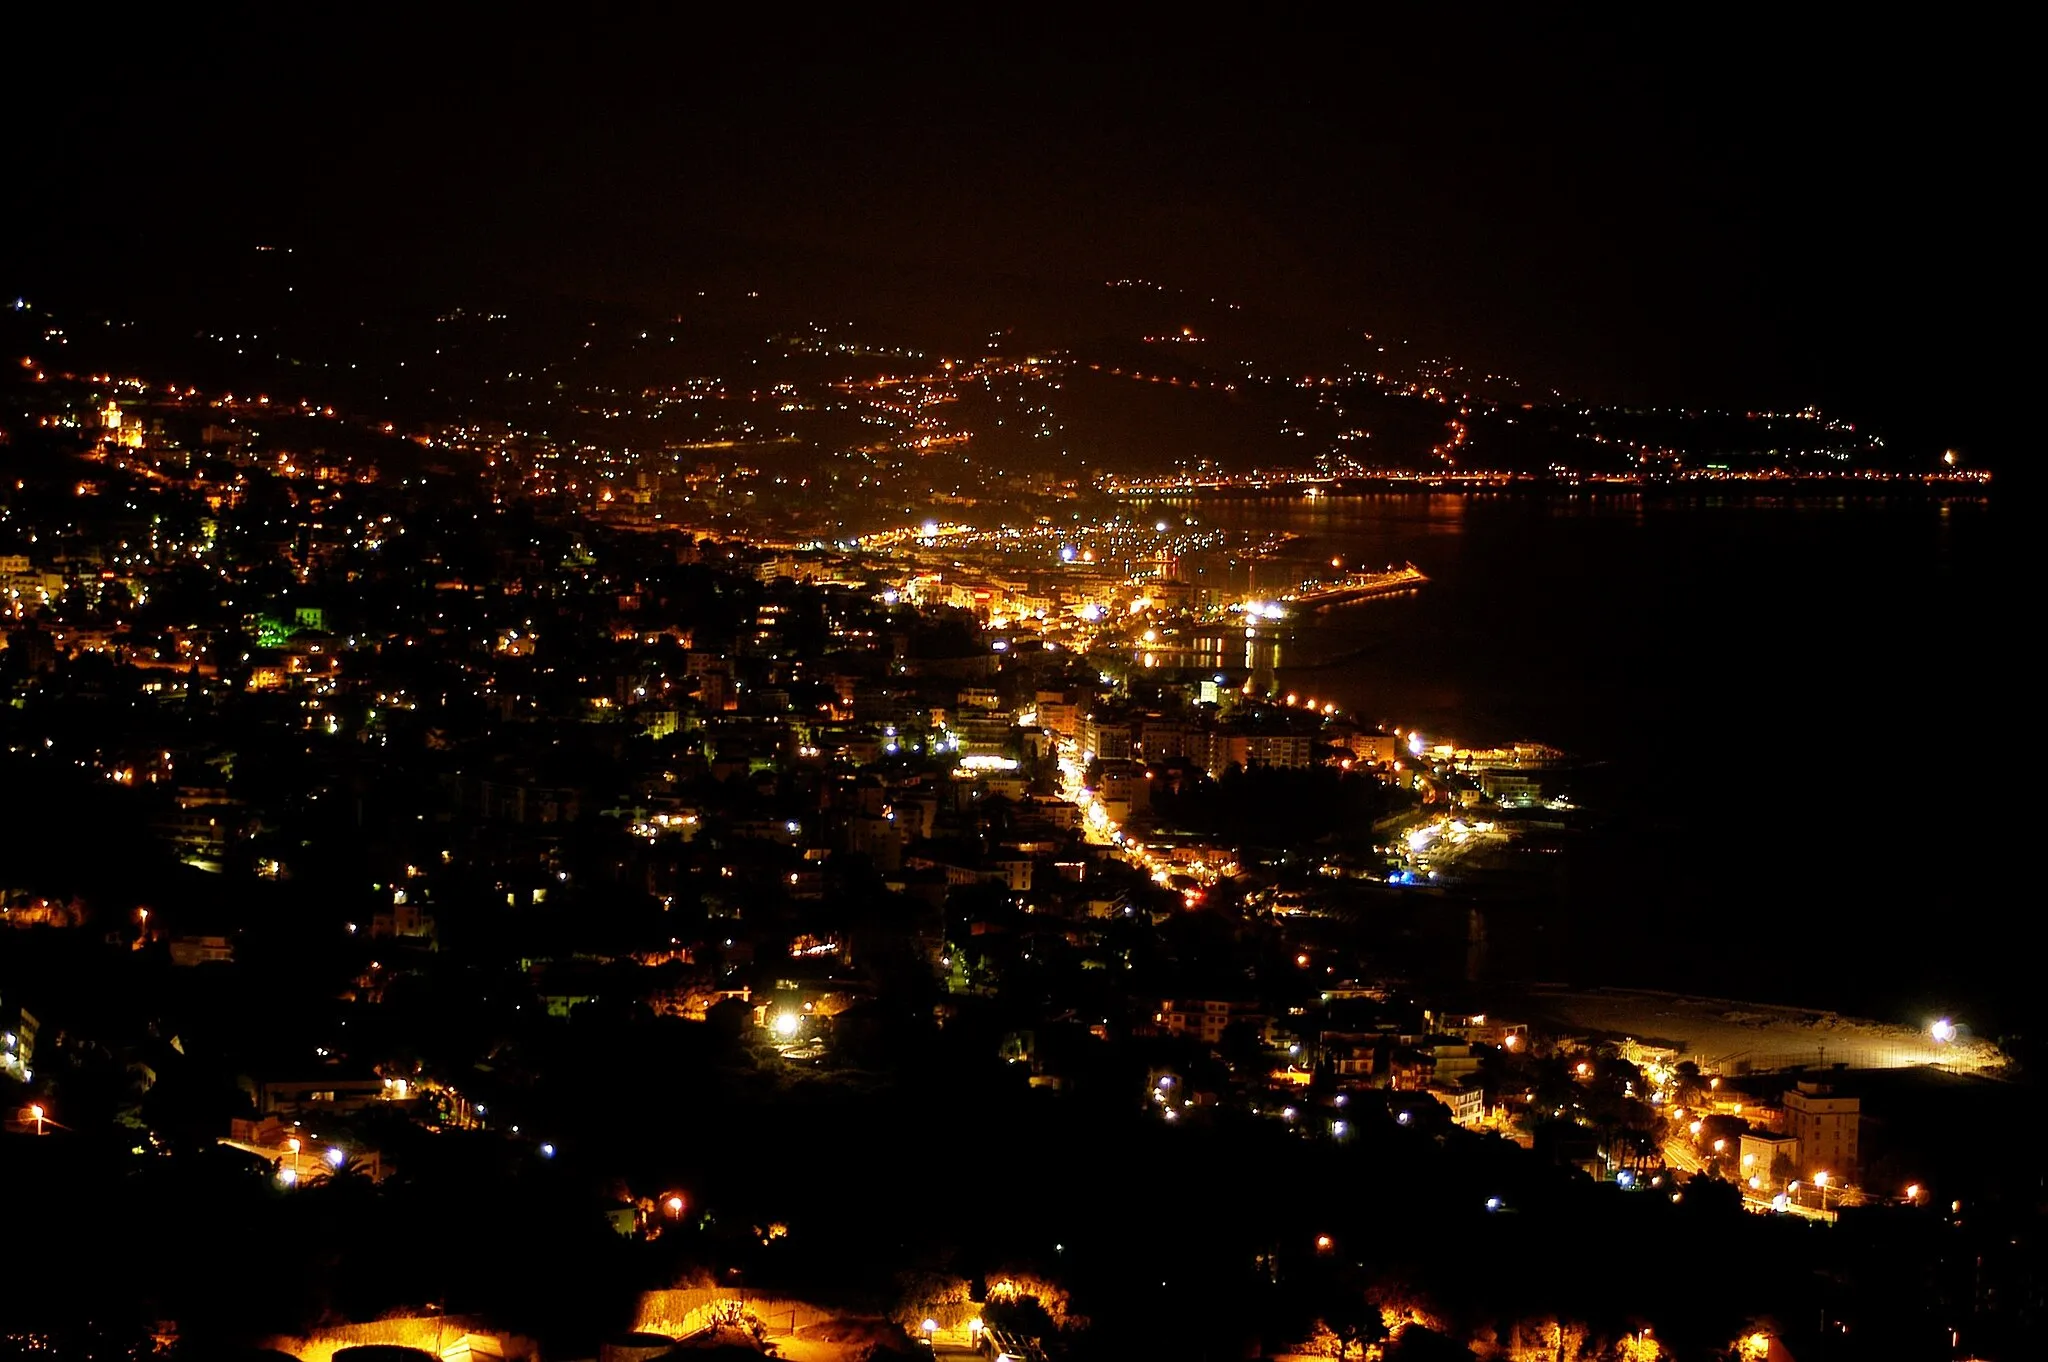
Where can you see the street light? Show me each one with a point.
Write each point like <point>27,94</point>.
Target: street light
<point>36,1114</point>
<point>1943,1031</point>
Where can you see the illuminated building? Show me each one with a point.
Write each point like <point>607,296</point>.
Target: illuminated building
<point>1825,1125</point>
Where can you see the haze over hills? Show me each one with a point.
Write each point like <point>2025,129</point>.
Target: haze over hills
<point>1139,377</point>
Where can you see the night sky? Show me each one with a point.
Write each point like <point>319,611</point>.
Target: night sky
<point>1738,211</point>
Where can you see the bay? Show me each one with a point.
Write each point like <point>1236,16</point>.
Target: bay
<point>1805,721</point>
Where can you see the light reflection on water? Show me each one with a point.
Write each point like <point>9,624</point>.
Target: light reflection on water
<point>1775,684</point>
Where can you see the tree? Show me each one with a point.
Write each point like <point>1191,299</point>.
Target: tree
<point>1359,1330</point>
<point>1686,1084</point>
<point>1242,1047</point>
<point>1420,1344</point>
<point>923,1294</point>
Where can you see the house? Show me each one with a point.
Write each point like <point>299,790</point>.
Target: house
<point>1206,1019</point>
<point>476,1347</point>
<point>191,949</point>
<point>316,1094</point>
<point>1826,1125</point>
<point>1768,1158</point>
<point>1467,1101</point>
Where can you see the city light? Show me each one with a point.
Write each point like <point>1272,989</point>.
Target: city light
<point>740,730</point>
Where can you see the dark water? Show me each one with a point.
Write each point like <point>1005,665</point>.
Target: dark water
<point>1813,723</point>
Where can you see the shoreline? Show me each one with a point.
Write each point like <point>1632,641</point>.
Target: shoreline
<point>1759,1037</point>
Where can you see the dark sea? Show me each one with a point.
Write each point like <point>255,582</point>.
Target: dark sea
<point>1807,722</point>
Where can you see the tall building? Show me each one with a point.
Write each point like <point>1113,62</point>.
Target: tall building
<point>1826,1127</point>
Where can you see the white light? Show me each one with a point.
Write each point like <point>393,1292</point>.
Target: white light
<point>1943,1031</point>
<point>336,1157</point>
<point>787,1023</point>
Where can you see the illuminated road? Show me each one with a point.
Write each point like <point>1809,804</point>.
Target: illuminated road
<point>1678,1154</point>
<point>1102,830</point>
